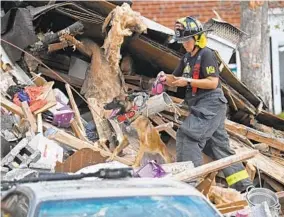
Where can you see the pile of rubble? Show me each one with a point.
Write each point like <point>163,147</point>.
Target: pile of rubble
<point>95,49</point>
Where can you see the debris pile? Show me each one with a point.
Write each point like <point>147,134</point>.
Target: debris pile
<point>47,125</point>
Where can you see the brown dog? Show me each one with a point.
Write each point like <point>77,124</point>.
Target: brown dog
<point>149,139</point>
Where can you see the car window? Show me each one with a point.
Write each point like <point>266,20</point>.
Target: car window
<point>15,205</point>
<point>162,206</point>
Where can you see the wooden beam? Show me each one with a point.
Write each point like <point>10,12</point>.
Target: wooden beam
<point>39,123</point>
<point>240,137</point>
<point>164,127</point>
<point>273,183</point>
<point>29,116</point>
<point>77,144</point>
<point>255,135</point>
<point>214,166</point>
<point>235,203</point>
<point>75,109</point>
<point>206,184</point>
<point>12,107</point>
<point>76,82</point>
<point>263,163</point>
<point>77,130</point>
<point>232,206</point>
<point>157,120</point>
<point>51,101</point>
<point>250,168</point>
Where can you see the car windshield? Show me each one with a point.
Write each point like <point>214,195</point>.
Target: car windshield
<point>158,206</point>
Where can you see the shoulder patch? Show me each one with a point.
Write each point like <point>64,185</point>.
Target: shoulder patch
<point>210,70</point>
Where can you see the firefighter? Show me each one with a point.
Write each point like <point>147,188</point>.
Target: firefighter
<point>197,76</point>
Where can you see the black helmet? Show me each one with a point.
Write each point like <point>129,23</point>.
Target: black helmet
<point>185,28</point>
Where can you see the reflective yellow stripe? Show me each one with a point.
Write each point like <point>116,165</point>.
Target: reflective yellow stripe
<point>236,177</point>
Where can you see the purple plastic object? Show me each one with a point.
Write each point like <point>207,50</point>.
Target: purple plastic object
<point>151,170</point>
<point>63,118</point>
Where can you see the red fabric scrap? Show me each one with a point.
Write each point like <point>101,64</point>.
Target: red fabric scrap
<point>33,93</point>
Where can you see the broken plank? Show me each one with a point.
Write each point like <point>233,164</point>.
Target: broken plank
<point>164,127</point>
<point>231,209</point>
<point>77,130</point>
<point>214,166</point>
<point>229,97</point>
<point>132,87</point>
<point>273,183</point>
<point>75,108</point>
<point>263,163</point>
<point>251,171</point>
<point>157,120</point>
<point>76,82</point>
<point>39,123</point>
<point>10,106</point>
<point>235,203</point>
<point>51,101</point>
<point>57,46</point>
<point>240,137</point>
<point>240,101</point>
<point>263,128</point>
<point>271,120</point>
<point>29,116</point>
<point>235,83</point>
<point>38,80</point>
<point>206,184</point>
<point>77,144</point>
<point>255,135</point>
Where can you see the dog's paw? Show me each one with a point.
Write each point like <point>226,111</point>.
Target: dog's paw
<point>111,158</point>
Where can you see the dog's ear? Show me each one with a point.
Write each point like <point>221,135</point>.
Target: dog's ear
<point>114,104</point>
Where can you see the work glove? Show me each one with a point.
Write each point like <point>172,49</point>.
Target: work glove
<point>158,85</point>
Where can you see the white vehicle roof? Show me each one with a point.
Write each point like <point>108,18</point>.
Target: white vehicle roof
<point>92,188</point>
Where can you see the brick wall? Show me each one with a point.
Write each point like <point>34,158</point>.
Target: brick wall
<point>166,12</point>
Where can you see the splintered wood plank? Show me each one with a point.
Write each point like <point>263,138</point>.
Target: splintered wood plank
<point>228,95</point>
<point>261,162</point>
<point>29,116</point>
<point>215,166</point>
<point>255,135</point>
<point>271,120</point>
<point>235,203</point>
<point>132,87</point>
<point>77,130</point>
<point>38,80</point>
<point>50,97</point>
<point>240,102</point>
<point>251,171</point>
<point>235,83</point>
<point>76,82</point>
<point>12,107</point>
<point>206,184</point>
<point>77,144</point>
<point>157,120</point>
<point>274,184</point>
<point>75,108</point>
<point>164,127</point>
<point>39,123</point>
<point>240,137</point>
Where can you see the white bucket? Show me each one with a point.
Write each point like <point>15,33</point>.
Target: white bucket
<point>157,104</point>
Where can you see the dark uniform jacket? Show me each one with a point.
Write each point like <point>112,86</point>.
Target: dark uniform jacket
<point>209,67</point>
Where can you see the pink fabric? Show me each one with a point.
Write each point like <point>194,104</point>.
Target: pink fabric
<point>158,86</point>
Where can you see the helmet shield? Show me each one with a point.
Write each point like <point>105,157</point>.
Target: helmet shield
<point>185,29</point>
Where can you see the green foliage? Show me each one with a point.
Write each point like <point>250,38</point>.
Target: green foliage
<point>281,115</point>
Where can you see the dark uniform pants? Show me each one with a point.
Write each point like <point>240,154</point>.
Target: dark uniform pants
<point>204,130</point>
